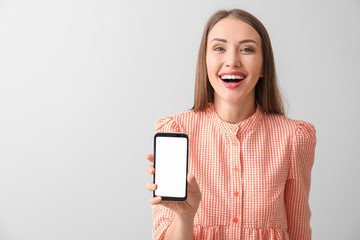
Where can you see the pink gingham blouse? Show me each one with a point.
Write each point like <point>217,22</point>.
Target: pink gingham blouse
<point>254,176</point>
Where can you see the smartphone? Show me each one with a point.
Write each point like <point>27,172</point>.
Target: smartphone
<point>171,152</point>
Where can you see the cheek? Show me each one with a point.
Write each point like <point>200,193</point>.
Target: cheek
<point>259,64</point>
<point>211,65</point>
<point>255,65</point>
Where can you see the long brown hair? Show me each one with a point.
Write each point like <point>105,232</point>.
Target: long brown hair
<point>267,94</point>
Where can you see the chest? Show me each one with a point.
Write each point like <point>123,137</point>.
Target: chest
<point>260,160</point>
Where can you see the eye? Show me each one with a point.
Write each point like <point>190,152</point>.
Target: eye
<point>219,49</point>
<point>247,50</point>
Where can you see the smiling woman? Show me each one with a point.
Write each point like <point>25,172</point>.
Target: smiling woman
<point>266,90</point>
<point>233,54</point>
<point>249,165</point>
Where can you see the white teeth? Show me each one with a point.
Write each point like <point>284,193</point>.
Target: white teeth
<point>232,77</point>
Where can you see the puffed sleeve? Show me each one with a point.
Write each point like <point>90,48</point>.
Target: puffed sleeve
<point>162,217</point>
<point>298,182</point>
<point>167,124</point>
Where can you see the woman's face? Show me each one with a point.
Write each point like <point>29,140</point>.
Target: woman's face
<point>234,61</point>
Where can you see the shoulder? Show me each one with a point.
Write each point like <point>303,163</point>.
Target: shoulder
<point>299,129</point>
<point>179,122</point>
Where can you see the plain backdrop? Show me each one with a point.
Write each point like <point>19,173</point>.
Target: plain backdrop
<point>82,83</point>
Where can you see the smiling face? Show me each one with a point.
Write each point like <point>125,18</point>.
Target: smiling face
<point>234,61</point>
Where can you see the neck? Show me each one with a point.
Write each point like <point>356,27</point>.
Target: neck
<point>234,113</point>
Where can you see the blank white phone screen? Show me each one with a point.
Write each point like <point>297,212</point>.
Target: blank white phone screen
<point>170,166</point>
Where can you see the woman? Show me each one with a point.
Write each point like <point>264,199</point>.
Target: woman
<point>249,165</point>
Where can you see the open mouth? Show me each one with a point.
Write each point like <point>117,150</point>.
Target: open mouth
<point>232,78</point>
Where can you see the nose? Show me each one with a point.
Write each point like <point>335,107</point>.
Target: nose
<point>233,59</point>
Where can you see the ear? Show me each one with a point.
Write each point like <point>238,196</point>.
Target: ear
<point>261,73</point>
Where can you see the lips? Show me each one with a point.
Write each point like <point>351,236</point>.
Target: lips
<point>232,79</point>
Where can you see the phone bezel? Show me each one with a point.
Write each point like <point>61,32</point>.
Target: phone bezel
<point>172,134</point>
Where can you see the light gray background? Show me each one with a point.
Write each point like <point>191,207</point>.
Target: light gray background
<point>82,83</point>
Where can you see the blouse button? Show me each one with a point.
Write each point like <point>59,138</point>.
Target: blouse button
<point>235,220</point>
<point>236,193</point>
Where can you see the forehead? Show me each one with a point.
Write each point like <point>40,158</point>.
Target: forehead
<point>231,28</point>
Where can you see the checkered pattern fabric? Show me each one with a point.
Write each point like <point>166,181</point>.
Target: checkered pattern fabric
<point>254,176</point>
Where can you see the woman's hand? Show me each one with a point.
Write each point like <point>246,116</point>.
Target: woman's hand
<point>184,210</point>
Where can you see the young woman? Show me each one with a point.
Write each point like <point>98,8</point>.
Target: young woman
<point>249,165</point>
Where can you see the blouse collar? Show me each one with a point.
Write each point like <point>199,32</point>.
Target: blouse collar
<point>234,128</point>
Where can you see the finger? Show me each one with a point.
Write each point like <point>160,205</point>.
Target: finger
<point>150,169</point>
<point>155,200</point>
<point>150,157</point>
<point>191,178</point>
<point>193,185</point>
<point>151,186</point>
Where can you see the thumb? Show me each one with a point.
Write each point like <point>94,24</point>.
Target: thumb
<point>193,185</point>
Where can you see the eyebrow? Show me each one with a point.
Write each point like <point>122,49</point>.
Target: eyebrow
<point>241,42</point>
